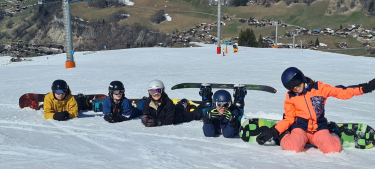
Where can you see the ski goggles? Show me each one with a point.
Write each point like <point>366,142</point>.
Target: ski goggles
<point>61,91</point>
<point>154,92</point>
<point>223,104</point>
<point>117,92</point>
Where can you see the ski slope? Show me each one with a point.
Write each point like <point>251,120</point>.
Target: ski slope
<point>27,140</point>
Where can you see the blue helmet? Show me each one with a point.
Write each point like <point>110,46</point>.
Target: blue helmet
<point>292,77</point>
<point>222,96</point>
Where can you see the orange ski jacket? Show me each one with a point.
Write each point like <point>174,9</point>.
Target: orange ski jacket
<point>306,110</point>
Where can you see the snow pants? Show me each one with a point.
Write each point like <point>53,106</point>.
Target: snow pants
<point>182,116</point>
<point>297,139</point>
<point>217,125</point>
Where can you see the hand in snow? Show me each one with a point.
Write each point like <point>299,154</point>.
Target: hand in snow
<point>267,135</point>
<point>61,116</point>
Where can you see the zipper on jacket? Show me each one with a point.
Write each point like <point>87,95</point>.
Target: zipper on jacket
<point>312,120</point>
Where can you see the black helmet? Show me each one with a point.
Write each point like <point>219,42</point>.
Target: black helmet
<point>115,85</point>
<point>292,77</point>
<point>59,84</point>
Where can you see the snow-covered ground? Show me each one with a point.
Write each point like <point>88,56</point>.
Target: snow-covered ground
<point>27,140</point>
<point>169,18</point>
<point>128,3</point>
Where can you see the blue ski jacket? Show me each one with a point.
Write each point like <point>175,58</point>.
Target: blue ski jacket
<point>124,108</point>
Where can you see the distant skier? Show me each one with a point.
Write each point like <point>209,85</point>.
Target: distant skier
<point>222,116</point>
<point>159,110</point>
<point>60,104</point>
<point>304,119</point>
<point>116,107</point>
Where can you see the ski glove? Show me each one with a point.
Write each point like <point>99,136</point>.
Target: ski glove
<point>149,121</point>
<point>233,121</point>
<point>267,135</point>
<point>368,87</point>
<point>112,118</point>
<point>209,116</point>
<point>61,116</point>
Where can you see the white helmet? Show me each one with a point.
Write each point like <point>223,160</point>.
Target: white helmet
<point>155,84</point>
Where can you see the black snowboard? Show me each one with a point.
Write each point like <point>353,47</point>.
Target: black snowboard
<point>226,86</point>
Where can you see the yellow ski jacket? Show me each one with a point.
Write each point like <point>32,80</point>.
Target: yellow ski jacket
<point>52,105</point>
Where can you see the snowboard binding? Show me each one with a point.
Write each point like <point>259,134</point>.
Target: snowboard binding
<point>206,93</point>
<point>239,93</point>
<point>334,129</point>
<point>186,104</point>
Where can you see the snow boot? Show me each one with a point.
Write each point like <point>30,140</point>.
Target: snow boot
<point>82,102</point>
<point>239,93</point>
<point>334,129</point>
<point>186,104</point>
<point>206,93</point>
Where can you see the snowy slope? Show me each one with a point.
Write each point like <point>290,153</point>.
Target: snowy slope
<point>27,140</point>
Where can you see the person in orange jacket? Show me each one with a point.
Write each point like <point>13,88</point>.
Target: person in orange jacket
<point>60,104</point>
<point>304,120</point>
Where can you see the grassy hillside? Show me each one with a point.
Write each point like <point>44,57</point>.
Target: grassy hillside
<point>186,13</point>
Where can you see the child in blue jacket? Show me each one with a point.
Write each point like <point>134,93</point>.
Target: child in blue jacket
<point>116,107</point>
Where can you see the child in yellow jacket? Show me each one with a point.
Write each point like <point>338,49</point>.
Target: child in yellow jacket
<point>60,104</point>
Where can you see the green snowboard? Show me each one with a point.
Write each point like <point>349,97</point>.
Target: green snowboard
<point>354,135</point>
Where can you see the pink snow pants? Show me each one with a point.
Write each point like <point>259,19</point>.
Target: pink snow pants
<point>296,140</point>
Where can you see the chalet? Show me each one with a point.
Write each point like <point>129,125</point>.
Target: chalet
<point>343,45</point>
<point>327,30</point>
<point>316,31</point>
<point>253,21</point>
<point>367,37</point>
<point>366,44</point>
<point>269,41</point>
<point>368,31</point>
<point>304,31</point>
<point>342,34</point>
<point>243,20</point>
<point>56,48</point>
<point>355,27</point>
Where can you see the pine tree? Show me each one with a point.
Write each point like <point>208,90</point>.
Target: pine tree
<point>241,39</point>
<point>317,42</point>
<point>260,41</point>
<point>371,8</point>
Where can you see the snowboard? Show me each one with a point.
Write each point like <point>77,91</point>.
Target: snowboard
<point>226,86</point>
<point>353,135</point>
<point>35,101</point>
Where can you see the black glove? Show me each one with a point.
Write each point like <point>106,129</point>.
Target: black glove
<point>209,116</point>
<point>267,135</point>
<point>368,87</point>
<point>149,121</point>
<point>112,118</point>
<point>233,121</point>
<point>61,116</point>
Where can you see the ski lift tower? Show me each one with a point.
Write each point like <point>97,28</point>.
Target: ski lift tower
<point>67,29</point>
<point>218,51</point>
